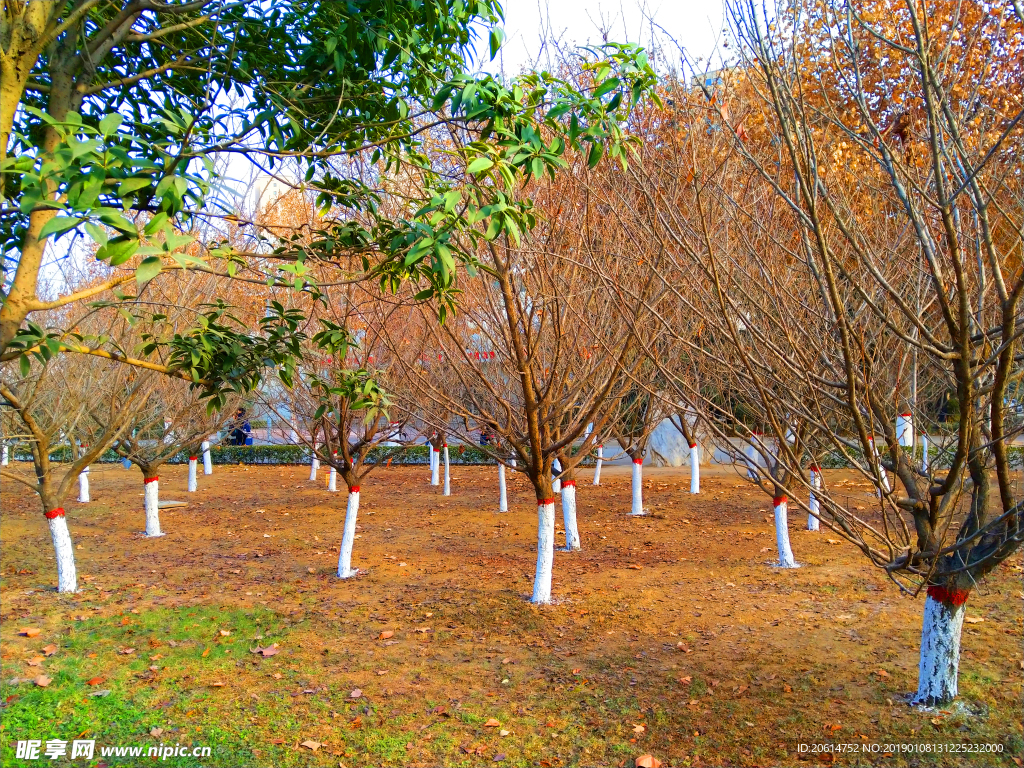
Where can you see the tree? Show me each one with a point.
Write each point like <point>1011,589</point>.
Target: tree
<point>856,235</point>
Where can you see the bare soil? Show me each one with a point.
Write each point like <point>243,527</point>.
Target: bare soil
<point>672,634</point>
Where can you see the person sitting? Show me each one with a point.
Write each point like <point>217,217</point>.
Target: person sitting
<point>240,430</point>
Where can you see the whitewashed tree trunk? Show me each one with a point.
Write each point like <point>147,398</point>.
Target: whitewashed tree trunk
<point>332,480</point>
<point>447,474</point>
<point>905,430</point>
<point>694,468</point>
<point>294,434</point>
<point>151,486</point>
<point>556,484</point>
<point>314,465</point>
<point>6,457</point>
<point>83,486</point>
<point>502,493</point>
<point>638,487</point>
<point>207,459</point>
<point>348,537</point>
<point>924,453</point>
<point>193,467</point>
<point>63,550</point>
<point>512,463</point>
<point>545,551</point>
<point>812,499</point>
<point>435,464</point>
<point>939,664</point>
<point>572,531</point>
<point>597,466</point>
<point>786,560</point>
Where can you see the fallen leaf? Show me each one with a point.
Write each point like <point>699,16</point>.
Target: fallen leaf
<point>94,681</point>
<point>270,650</point>
<point>386,634</point>
<point>639,728</point>
<point>881,673</point>
<point>42,681</point>
<point>498,757</point>
<point>506,661</point>
<point>126,651</point>
<point>833,541</point>
<point>49,650</point>
<point>100,694</point>
<point>686,680</point>
<point>356,693</point>
<point>35,661</point>
<point>277,741</point>
<point>491,723</point>
<point>217,684</point>
<point>635,567</point>
<point>974,619</point>
<point>155,732</point>
<point>648,761</point>
<point>225,633</point>
<point>503,732</point>
<point>311,745</point>
<point>741,690</point>
<point>29,631</point>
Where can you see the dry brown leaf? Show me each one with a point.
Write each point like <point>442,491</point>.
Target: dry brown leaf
<point>311,745</point>
<point>648,761</point>
<point>42,681</point>
<point>94,681</point>
<point>356,693</point>
<point>155,732</point>
<point>270,650</point>
<point>974,619</point>
<point>635,567</point>
<point>225,633</point>
<point>491,723</point>
<point>35,661</point>
<point>881,673</point>
<point>386,634</point>
<point>639,728</point>
<point>29,631</point>
<point>49,650</point>
<point>217,684</point>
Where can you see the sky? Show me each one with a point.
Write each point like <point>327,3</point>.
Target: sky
<point>695,25</point>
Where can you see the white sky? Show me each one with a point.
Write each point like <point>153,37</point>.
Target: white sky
<point>694,25</point>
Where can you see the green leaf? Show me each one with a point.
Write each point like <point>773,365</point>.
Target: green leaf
<point>110,123</point>
<point>58,224</point>
<point>156,223</point>
<point>596,150</point>
<point>118,250</point>
<point>26,365</point>
<point>479,165</point>
<point>148,269</point>
<point>497,36</point>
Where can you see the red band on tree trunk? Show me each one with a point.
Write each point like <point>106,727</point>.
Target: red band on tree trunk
<point>693,445</point>
<point>779,500</point>
<point>906,415</point>
<point>948,596</point>
<point>353,489</point>
<point>54,513</point>
<point>815,468</point>
<point>569,484</point>
<point>545,502</point>
<point>193,458</point>
<point>150,480</point>
<point>638,461</point>
<point>601,445</point>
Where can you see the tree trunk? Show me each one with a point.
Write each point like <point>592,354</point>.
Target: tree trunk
<point>207,459</point>
<point>151,485</point>
<point>435,463</point>
<point>314,465</point>
<point>786,559</point>
<point>694,468</point>
<point>940,646</point>
<point>905,430</point>
<point>332,477</point>
<point>63,550</point>
<point>572,531</point>
<point>638,489</point>
<point>502,493</point>
<point>193,466</point>
<point>597,466</point>
<point>447,474</point>
<point>556,483</point>
<point>83,486</point>
<point>812,500</point>
<point>545,550</point>
<point>348,537</point>
<point>6,457</point>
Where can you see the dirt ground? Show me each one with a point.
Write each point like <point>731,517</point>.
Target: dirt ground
<point>672,634</point>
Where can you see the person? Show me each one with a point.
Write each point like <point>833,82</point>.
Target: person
<point>241,429</point>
